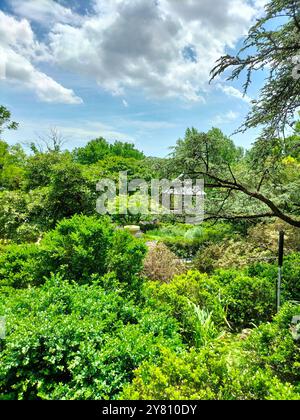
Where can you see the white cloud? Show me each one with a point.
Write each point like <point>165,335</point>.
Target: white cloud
<point>225,118</point>
<point>143,44</point>
<point>90,130</point>
<point>45,12</point>
<point>164,48</point>
<point>19,70</point>
<point>18,48</point>
<point>235,93</point>
<point>125,103</point>
<point>14,32</point>
<point>260,4</point>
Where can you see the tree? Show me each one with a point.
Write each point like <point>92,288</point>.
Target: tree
<point>40,168</point>
<point>273,49</point>
<point>266,182</point>
<point>94,151</point>
<point>68,191</point>
<point>213,148</point>
<point>99,149</point>
<point>242,187</point>
<point>126,150</point>
<point>5,120</point>
<point>12,158</point>
<point>51,142</point>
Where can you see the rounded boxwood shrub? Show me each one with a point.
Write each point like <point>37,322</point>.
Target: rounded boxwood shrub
<point>274,346</point>
<point>194,300</point>
<point>291,275</point>
<point>21,265</point>
<point>70,341</point>
<point>249,301</point>
<point>78,248</point>
<point>207,374</point>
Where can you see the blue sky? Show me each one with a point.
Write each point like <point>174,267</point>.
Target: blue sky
<point>134,70</point>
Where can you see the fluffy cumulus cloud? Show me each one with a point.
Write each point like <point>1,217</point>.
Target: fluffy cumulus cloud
<point>45,12</point>
<point>165,48</point>
<point>18,49</point>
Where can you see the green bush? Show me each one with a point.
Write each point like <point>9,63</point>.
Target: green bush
<point>239,251</point>
<point>183,298</point>
<point>84,246</point>
<point>273,346</point>
<point>79,248</point>
<point>20,266</point>
<point>291,275</point>
<point>125,256</point>
<point>248,300</point>
<point>229,297</point>
<point>206,258</point>
<point>70,341</point>
<point>207,374</point>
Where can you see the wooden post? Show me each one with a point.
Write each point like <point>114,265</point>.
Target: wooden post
<point>280,268</point>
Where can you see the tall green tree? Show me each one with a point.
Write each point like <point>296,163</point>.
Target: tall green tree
<point>263,184</point>
<point>12,158</point>
<point>99,149</point>
<point>5,120</point>
<point>272,45</point>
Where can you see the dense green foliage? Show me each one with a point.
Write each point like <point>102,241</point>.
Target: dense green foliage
<point>87,314</point>
<point>88,317</point>
<point>99,149</point>
<point>70,341</point>
<point>262,183</point>
<point>66,341</point>
<point>213,373</point>
<point>271,45</point>
<point>79,248</point>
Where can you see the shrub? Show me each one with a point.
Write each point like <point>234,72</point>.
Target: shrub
<point>183,297</point>
<point>20,266</point>
<point>125,256</point>
<point>187,376</point>
<point>78,247</point>
<point>229,296</point>
<point>291,275</point>
<point>265,236</point>
<point>161,264</point>
<point>204,375</point>
<point>260,244</point>
<point>83,246</point>
<point>231,253</point>
<point>249,300</point>
<point>273,346</point>
<point>70,341</point>
<point>206,259</point>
